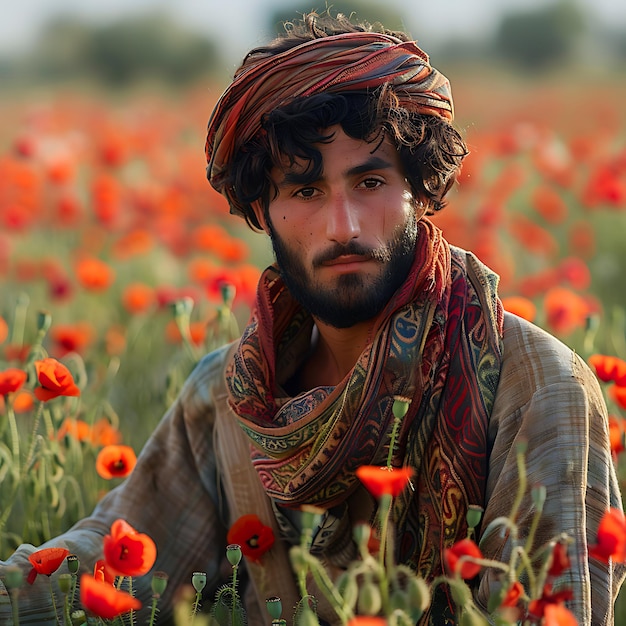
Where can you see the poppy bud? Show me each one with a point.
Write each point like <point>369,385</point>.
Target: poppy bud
<point>44,320</point>
<point>400,407</point>
<point>348,589</point>
<point>13,577</point>
<point>370,601</point>
<point>306,617</point>
<point>198,580</point>
<point>233,554</point>
<point>474,513</point>
<point>73,563</point>
<point>274,607</point>
<point>418,592</point>
<point>159,583</point>
<point>65,583</point>
<point>78,618</point>
<point>538,493</point>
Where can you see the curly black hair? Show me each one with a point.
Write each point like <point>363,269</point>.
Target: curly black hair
<point>430,148</point>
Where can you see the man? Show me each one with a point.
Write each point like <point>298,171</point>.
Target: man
<point>337,142</point>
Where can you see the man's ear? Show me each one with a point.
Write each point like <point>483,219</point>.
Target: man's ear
<point>259,212</point>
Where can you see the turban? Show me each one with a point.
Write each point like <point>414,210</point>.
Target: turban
<point>347,62</point>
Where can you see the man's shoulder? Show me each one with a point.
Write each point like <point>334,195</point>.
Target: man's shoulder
<point>534,359</point>
<point>208,372</point>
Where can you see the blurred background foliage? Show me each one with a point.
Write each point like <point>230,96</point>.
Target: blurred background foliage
<point>155,47</point>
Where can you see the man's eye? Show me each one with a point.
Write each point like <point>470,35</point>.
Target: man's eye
<point>306,192</point>
<point>371,183</point>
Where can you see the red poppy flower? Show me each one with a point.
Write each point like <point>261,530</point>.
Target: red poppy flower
<point>138,298</point>
<point>45,561</point>
<point>465,549</point>
<point>128,552</point>
<point>513,595</point>
<point>103,573</point>
<point>11,380</point>
<point>520,306</point>
<point>611,537</point>
<point>55,380</point>
<point>609,368</point>
<point>618,395</point>
<point>115,461</point>
<point>94,274</point>
<point>71,337</point>
<point>380,481</point>
<point>252,535</point>
<point>558,615</point>
<point>616,434</point>
<point>75,428</point>
<point>104,600</point>
<point>367,620</point>
<point>537,608</point>
<point>4,329</point>
<point>559,560</point>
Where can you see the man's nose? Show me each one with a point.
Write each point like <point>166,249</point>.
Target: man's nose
<point>343,221</point>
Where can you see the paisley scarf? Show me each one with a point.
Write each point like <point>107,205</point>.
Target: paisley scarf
<point>437,344</point>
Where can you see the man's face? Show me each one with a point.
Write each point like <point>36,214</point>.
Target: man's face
<point>345,241</point>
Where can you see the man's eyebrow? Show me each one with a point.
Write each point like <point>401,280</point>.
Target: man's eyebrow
<point>303,178</point>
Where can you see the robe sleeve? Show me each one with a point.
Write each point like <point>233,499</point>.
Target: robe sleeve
<point>173,495</point>
<point>549,399</point>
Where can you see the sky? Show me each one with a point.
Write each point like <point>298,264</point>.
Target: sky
<point>429,22</point>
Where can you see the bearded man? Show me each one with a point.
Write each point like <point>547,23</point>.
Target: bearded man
<point>337,141</point>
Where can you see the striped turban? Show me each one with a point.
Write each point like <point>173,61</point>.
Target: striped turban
<point>359,61</point>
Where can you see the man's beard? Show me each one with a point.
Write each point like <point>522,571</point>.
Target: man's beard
<point>354,297</point>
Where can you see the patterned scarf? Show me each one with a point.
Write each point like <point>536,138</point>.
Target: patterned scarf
<point>334,64</point>
<point>437,343</point>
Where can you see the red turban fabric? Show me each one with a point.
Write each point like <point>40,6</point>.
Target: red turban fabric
<point>333,64</point>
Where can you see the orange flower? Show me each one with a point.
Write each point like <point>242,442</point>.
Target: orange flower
<point>559,560</point>
<point>72,337</point>
<point>558,615</point>
<point>45,561</point>
<point>197,331</point>
<point>11,380</point>
<point>565,310</point>
<point>104,600</point>
<point>4,330</point>
<point>55,380</point>
<point>458,558</point>
<point>128,552</point>
<point>520,306</point>
<point>23,402</point>
<point>618,395</point>
<point>103,433</point>
<point>252,535</point>
<point>513,595</point>
<point>103,573</point>
<point>138,298</point>
<point>367,620</point>
<point>115,461</point>
<point>609,368</point>
<point>94,274</point>
<point>537,608</point>
<point>78,429</point>
<point>549,204</point>
<point>611,537</point>
<point>381,481</point>
<point>616,434</point>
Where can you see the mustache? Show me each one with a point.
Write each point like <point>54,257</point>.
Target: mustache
<point>352,248</point>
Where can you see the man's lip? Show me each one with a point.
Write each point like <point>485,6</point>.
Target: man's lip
<point>347,259</point>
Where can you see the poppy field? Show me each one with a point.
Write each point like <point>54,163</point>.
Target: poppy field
<point>120,266</point>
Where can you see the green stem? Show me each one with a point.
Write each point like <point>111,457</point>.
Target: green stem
<point>15,438</point>
<point>14,606</point>
<point>392,443</point>
<point>153,610</point>
<point>33,440</point>
<point>233,608</point>
<point>384,512</point>
<point>54,601</point>
<point>521,473</point>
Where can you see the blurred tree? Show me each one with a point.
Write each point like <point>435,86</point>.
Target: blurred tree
<point>151,47</point>
<point>542,38</point>
<point>362,10</point>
